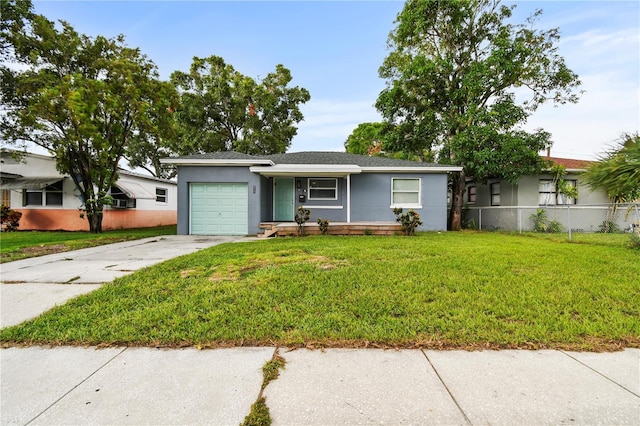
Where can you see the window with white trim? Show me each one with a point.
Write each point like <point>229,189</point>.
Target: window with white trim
<point>548,195</point>
<point>495,193</point>
<point>161,195</point>
<point>51,195</point>
<point>405,192</point>
<point>323,189</point>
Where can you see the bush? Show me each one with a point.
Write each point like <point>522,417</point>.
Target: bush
<point>542,224</point>
<point>409,221</point>
<point>634,242</point>
<point>324,225</point>
<point>609,227</point>
<point>302,216</point>
<point>10,219</point>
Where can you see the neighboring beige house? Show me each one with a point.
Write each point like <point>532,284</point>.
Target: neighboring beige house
<point>501,205</point>
<point>50,201</point>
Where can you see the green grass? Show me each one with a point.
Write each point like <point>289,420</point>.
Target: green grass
<point>436,290</point>
<point>24,244</point>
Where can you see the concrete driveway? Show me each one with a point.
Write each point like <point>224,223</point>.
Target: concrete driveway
<point>32,286</point>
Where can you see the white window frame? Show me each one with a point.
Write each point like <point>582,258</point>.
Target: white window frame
<point>164,196</point>
<point>44,201</point>
<point>494,193</point>
<point>310,187</point>
<point>417,205</point>
<point>552,197</point>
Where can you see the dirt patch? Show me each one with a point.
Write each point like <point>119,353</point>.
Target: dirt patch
<point>44,250</point>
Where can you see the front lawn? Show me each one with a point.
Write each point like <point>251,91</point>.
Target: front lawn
<point>23,244</point>
<point>435,290</point>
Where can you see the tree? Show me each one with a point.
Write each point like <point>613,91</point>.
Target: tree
<point>618,170</point>
<point>223,110</point>
<point>365,139</point>
<point>85,100</point>
<point>453,73</point>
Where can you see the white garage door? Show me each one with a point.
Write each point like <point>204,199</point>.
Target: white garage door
<point>219,208</point>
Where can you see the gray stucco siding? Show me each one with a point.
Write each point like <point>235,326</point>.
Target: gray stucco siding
<point>198,174</point>
<point>371,198</point>
<point>333,210</point>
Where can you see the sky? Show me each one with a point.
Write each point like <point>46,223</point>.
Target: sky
<point>334,50</point>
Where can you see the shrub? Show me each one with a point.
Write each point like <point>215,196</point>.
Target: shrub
<point>634,242</point>
<point>542,224</point>
<point>10,219</point>
<point>409,221</point>
<point>302,216</point>
<point>324,225</point>
<point>609,227</point>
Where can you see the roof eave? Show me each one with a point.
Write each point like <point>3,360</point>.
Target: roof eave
<point>429,169</point>
<point>311,170</point>
<point>215,162</point>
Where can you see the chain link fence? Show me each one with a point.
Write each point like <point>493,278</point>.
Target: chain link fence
<point>570,217</point>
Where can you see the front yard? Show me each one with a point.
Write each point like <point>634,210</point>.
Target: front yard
<point>436,290</point>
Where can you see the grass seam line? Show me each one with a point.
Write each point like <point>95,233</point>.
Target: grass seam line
<point>600,374</point>
<point>467,420</point>
<point>76,386</point>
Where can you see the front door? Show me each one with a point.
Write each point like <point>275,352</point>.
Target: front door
<point>283,199</point>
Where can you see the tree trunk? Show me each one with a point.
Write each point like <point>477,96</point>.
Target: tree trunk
<point>457,197</point>
<point>95,222</point>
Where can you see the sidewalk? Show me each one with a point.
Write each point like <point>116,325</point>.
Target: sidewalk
<point>72,385</point>
<point>130,386</point>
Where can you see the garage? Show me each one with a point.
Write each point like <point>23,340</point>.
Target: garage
<point>218,208</point>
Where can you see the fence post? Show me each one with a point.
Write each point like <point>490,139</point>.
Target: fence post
<point>480,219</point>
<point>520,220</point>
<point>569,220</point>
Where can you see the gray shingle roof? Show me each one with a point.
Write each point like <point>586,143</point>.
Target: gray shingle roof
<point>312,157</point>
<point>342,158</point>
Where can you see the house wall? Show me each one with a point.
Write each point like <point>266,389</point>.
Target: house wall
<point>332,210</point>
<point>197,174</point>
<point>520,202</point>
<point>371,199</point>
<point>147,213</point>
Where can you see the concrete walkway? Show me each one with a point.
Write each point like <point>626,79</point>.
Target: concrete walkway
<point>70,385</point>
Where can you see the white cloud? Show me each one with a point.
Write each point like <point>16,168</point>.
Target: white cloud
<point>328,123</point>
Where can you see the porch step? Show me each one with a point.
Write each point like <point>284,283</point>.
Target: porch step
<point>269,230</point>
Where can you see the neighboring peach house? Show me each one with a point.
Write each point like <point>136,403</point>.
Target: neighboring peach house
<point>497,204</point>
<point>50,201</point>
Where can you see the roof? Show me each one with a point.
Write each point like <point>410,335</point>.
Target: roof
<point>569,163</point>
<point>309,162</point>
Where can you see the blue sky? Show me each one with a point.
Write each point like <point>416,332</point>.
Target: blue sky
<point>334,50</point>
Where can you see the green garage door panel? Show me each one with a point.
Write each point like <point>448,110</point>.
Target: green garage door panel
<point>219,208</point>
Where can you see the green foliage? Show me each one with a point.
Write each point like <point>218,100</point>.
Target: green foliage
<point>609,227</point>
<point>618,171</point>
<point>542,224</point>
<point>224,110</point>
<point>409,221</point>
<point>9,218</point>
<point>88,101</point>
<point>366,139</point>
<point>302,216</point>
<point>259,414</point>
<point>456,290</point>
<point>324,225</point>
<point>634,241</point>
<point>451,76</point>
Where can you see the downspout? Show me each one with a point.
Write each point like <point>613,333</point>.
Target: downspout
<point>349,198</point>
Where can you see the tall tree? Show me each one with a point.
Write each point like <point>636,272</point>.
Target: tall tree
<point>453,73</point>
<point>85,100</point>
<point>366,139</point>
<point>223,110</point>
